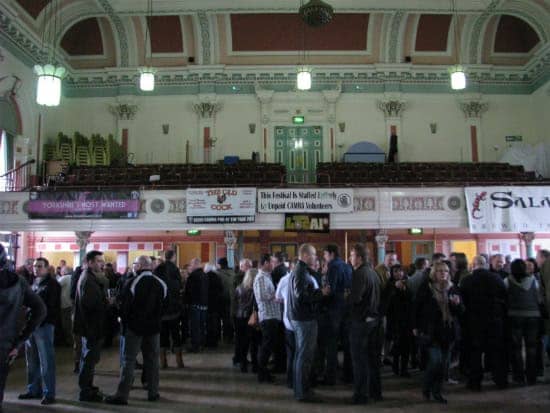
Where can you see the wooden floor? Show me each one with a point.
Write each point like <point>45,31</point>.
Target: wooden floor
<point>209,383</point>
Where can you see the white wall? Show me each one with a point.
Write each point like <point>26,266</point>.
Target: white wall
<point>507,115</point>
<point>540,105</point>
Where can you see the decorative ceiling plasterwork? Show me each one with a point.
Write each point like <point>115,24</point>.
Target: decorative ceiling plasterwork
<point>121,31</point>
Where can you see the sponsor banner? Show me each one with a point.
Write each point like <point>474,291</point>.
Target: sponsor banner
<point>307,222</point>
<point>221,205</point>
<point>508,208</point>
<point>81,204</point>
<point>330,200</point>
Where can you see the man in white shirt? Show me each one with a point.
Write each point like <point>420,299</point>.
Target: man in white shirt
<point>66,304</point>
<point>269,315</point>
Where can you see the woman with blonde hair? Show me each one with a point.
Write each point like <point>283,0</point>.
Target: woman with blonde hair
<point>438,303</point>
<point>246,336</point>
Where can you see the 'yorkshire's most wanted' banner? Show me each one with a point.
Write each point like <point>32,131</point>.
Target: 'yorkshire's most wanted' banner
<point>508,208</point>
<point>84,204</point>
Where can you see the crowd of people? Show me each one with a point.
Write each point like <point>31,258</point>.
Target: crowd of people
<point>449,318</point>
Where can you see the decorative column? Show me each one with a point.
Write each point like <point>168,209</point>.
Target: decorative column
<point>230,242</point>
<point>124,113</point>
<point>331,97</point>
<point>265,97</point>
<point>206,108</point>
<point>82,240</point>
<point>473,110</point>
<point>381,239</point>
<point>393,109</point>
<point>528,238</point>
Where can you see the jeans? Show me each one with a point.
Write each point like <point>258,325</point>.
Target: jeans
<point>150,346</point>
<point>306,339</point>
<point>197,326</point>
<point>435,369</point>
<point>524,329</point>
<point>290,340</point>
<point>4,368</point>
<point>270,340</point>
<point>170,329</point>
<point>91,353</point>
<point>40,354</point>
<point>364,345</point>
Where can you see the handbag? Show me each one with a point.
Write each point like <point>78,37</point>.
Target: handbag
<point>253,321</point>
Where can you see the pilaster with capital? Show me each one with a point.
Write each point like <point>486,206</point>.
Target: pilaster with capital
<point>124,112</point>
<point>206,107</point>
<point>393,108</point>
<point>265,97</point>
<point>381,239</point>
<point>82,240</point>
<point>230,242</point>
<point>528,238</point>
<point>473,110</point>
<point>331,98</point>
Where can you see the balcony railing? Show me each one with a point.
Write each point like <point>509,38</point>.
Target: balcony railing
<point>17,179</point>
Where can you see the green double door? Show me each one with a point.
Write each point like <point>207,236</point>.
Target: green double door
<point>300,149</point>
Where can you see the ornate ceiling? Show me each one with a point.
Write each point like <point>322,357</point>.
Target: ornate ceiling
<point>102,37</point>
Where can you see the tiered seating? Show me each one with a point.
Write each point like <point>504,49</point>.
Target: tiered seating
<point>175,175</point>
<point>421,173</point>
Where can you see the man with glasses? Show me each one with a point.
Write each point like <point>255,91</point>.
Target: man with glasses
<point>14,294</point>
<point>141,310</point>
<point>39,348</point>
<point>89,318</point>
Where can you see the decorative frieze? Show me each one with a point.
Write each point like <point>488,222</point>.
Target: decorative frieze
<point>8,207</point>
<point>417,203</point>
<point>364,203</point>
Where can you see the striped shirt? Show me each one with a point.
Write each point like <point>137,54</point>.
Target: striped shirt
<point>264,292</point>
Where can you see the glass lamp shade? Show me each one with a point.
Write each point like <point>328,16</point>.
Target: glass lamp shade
<point>147,79</point>
<point>48,91</point>
<point>303,79</point>
<point>458,78</point>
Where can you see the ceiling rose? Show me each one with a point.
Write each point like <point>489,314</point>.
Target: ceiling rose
<point>316,13</point>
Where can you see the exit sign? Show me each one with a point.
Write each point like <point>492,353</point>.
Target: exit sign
<point>298,120</point>
<point>514,138</point>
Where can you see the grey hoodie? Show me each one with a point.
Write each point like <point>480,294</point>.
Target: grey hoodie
<point>524,296</point>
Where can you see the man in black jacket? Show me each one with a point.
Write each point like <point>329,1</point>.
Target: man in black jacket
<point>302,297</point>
<point>14,294</point>
<point>142,303</point>
<point>196,297</point>
<point>484,297</point>
<point>89,316</point>
<point>39,348</point>
<point>170,328</point>
<point>365,319</point>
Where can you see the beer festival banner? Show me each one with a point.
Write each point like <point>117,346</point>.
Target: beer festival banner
<point>221,205</point>
<point>330,200</point>
<point>508,209</point>
<point>81,204</point>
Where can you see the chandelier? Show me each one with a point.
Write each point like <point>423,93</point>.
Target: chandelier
<point>458,75</point>
<point>50,75</point>
<point>316,13</point>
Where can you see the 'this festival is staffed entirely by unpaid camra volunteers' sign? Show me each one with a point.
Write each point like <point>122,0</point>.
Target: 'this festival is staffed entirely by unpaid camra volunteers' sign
<point>221,205</point>
<point>508,208</point>
<point>333,200</point>
<point>115,204</point>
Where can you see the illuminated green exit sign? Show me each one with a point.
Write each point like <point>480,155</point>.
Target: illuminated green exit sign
<point>298,120</point>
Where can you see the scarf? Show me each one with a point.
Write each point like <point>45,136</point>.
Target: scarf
<point>441,295</point>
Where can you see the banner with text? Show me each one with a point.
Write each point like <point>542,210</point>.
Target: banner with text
<point>307,222</point>
<point>508,208</point>
<point>80,204</point>
<point>221,205</point>
<point>275,201</point>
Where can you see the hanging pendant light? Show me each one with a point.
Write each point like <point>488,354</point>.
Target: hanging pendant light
<point>303,78</point>
<point>458,78</point>
<point>48,91</point>
<point>147,73</point>
<point>457,73</point>
<point>147,79</point>
<point>50,75</point>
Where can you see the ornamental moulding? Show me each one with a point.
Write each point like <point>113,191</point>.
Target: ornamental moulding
<point>124,111</point>
<point>392,108</point>
<point>474,109</point>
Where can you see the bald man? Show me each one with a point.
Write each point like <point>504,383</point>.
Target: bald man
<point>141,307</point>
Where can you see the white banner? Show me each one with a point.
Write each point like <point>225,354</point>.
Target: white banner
<point>221,205</point>
<point>508,208</point>
<point>275,201</point>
